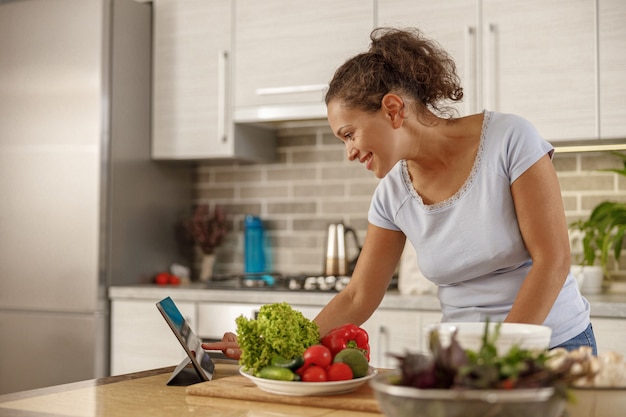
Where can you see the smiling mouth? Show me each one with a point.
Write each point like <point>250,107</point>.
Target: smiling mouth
<point>367,160</point>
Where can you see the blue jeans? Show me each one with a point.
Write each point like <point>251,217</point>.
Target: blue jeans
<point>586,338</point>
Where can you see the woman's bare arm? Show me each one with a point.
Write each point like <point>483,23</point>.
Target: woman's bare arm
<point>542,222</point>
<point>368,284</point>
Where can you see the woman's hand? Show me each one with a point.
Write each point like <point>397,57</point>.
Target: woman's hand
<point>228,346</point>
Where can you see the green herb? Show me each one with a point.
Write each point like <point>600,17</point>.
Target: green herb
<point>455,367</point>
<point>605,229</point>
<point>277,330</point>
<point>518,368</point>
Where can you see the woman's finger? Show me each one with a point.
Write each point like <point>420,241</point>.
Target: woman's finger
<point>229,337</point>
<point>219,345</point>
<point>228,345</point>
<point>233,353</point>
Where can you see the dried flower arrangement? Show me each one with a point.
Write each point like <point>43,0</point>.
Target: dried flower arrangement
<point>205,230</point>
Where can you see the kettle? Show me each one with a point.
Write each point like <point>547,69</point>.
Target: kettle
<point>336,262</point>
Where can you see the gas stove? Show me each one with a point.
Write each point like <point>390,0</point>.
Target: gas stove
<point>279,282</point>
<point>282,282</point>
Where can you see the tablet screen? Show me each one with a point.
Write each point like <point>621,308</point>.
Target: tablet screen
<point>192,344</point>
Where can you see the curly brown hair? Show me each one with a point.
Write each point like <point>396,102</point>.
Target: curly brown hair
<point>402,61</point>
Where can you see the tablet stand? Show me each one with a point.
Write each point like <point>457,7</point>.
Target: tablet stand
<point>184,374</point>
<point>187,373</point>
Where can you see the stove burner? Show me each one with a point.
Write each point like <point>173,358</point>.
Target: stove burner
<point>274,281</point>
<point>326,283</point>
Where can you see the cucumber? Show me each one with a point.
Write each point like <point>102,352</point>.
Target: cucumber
<point>276,372</point>
<point>283,362</point>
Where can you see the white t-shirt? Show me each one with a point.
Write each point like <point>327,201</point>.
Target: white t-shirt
<point>470,245</point>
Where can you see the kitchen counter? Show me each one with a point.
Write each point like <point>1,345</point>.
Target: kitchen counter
<point>397,325</point>
<point>146,394</point>
<point>611,305</point>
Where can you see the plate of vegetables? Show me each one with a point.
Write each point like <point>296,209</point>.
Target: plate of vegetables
<point>283,353</point>
<point>299,388</point>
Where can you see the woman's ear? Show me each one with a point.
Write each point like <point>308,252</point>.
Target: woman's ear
<point>393,107</point>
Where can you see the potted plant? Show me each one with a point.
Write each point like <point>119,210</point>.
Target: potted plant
<point>603,232</point>
<point>207,231</point>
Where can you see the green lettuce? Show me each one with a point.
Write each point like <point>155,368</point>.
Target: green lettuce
<point>277,330</point>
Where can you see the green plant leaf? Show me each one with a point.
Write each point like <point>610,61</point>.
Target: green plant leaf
<point>605,229</point>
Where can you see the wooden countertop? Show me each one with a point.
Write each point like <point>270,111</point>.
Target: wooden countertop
<point>146,394</point>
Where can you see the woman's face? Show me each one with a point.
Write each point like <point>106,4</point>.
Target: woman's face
<point>368,137</point>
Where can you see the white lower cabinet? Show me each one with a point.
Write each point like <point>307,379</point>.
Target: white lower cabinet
<point>140,337</point>
<point>141,340</point>
<point>427,319</point>
<point>610,334</point>
<point>215,319</point>
<point>310,312</point>
<point>396,332</point>
<point>391,332</point>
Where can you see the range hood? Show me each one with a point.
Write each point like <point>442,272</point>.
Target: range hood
<point>280,113</point>
<point>311,108</point>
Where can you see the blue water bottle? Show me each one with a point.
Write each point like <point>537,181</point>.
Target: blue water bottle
<point>254,245</point>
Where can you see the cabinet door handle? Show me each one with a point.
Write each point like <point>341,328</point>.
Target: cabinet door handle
<point>222,62</point>
<point>291,89</point>
<point>471,70</point>
<point>492,76</point>
<point>383,345</point>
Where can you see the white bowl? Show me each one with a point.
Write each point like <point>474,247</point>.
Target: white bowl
<point>401,401</point>
<point>470,335</point>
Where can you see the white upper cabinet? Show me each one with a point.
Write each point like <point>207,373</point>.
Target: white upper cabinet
<point>223,67</point>
<point>192,85</point>
<point>452,25</point>
<point>539,62</point>
<point>529,57</point>
<point>287,52</point>
<point>612,68</point>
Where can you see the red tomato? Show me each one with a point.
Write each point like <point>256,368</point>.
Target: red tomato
<point>173,279</point>
<point>162,278</point>
<point>317,355</point>
<point>508,383</point>
<point>314,374</point>
<point>339,371</point>
<point>301,369</point>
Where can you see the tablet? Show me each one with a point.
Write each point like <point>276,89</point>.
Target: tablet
<point>202,365</point>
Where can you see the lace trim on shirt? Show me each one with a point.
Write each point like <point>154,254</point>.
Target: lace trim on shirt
<point>468,182</point>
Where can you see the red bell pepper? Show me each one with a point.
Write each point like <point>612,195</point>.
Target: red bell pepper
<point>347,336</point>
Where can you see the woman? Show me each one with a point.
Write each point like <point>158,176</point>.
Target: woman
<point>477,196</point>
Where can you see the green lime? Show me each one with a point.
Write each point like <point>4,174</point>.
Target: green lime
<point>355,359</point>
<point>276,372</point>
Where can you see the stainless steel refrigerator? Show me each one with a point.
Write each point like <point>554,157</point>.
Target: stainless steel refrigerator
<point>82,206</point>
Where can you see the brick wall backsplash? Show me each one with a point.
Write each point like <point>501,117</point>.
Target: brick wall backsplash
<point>312,184</point>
